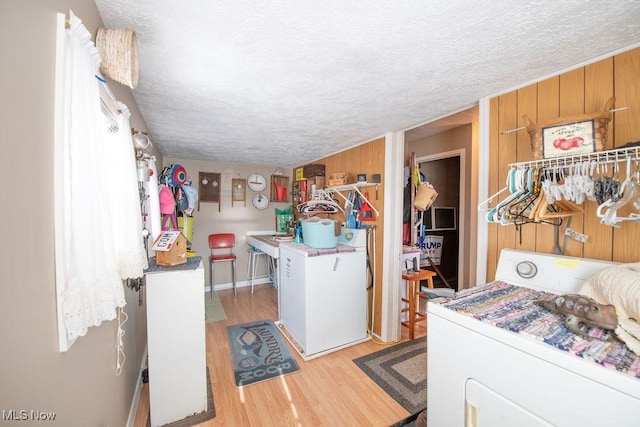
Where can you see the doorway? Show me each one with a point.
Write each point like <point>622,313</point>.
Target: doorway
<point>441,222</point>
<point>452,136</point>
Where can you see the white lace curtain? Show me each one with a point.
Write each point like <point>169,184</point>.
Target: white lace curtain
<point>99,227</point>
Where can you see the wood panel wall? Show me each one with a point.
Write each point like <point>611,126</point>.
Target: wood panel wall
<point>583,90</point>
<point>366,158</point>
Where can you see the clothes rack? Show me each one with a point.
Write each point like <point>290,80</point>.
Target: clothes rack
<point>554,188</point>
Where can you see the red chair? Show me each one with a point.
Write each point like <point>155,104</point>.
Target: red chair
<point>225,242</point>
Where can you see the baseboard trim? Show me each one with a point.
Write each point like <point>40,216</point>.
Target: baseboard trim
<point>138,391</point>
<point>244,283</point>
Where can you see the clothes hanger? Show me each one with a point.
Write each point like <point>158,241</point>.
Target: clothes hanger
<point>484,206</point>
<point>628,191</point>
<point>520,210</point>
<point>518,188</point>
<point>559,209</point>
<point>315,207</point>
<point>494,215</point>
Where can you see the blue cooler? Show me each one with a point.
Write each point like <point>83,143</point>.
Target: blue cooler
<point>319,234</point>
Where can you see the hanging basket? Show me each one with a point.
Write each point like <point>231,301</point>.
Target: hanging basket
<point>572,135</point>
<point>425,196</point>
<point>119,52</point>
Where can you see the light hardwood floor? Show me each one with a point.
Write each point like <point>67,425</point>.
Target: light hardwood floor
<point>328,391</point>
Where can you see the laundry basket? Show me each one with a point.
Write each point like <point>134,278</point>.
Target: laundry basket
<point>431,246</point>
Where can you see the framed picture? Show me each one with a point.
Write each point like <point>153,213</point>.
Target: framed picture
<point>209,188</point>
<point>239,191</point>
<point>568,139</point>
<point>299,174</point>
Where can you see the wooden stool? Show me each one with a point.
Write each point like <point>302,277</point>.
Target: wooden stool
<point>413,297</point>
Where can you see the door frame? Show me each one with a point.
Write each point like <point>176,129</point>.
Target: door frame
<point>462,216</point>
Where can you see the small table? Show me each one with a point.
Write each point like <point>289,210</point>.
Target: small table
<point>413,296</point>
<point>266,242</point>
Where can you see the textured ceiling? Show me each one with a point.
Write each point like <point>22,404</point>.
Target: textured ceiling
<point>282,83</point>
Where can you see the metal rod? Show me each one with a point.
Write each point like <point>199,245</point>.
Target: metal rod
<point>512,130</point>
<point>524,127</point>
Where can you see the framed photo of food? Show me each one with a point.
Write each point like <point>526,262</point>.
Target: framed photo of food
<point>568,139</point>
<point>571,135</point>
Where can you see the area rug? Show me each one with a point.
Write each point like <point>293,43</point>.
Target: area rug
<point>193,420</point>
<point>415,420</point>
<point>259,352</point>
<point>213,310</point>
<point>401,371</point>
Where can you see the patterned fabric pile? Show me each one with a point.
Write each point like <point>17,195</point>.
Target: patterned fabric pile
<point>514,308</point>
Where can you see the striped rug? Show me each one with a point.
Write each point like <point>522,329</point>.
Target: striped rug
<point>401,371</point>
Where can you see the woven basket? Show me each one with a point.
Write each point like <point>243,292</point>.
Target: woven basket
<point>600,124</point>
<point>119,52</point>
<point>336,179</point>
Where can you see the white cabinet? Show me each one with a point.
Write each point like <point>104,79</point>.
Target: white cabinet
<point>323,298</point>
<point>176,344</point>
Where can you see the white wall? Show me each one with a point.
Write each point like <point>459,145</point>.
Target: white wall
<point>79,386</point>
<point>236,219</point>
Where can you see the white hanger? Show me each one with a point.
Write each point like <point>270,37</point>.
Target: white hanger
<point>484,206</point>
<point>307,208</point>
<point>628,191</point>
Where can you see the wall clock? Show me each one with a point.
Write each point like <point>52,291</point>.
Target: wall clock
<point>260,201</point>
<point>256,182</point>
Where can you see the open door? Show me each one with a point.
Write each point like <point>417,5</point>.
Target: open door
<point>439,224</point>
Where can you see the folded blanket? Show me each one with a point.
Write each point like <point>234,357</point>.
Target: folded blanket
<point>628,331</point>
<point>620,286</point>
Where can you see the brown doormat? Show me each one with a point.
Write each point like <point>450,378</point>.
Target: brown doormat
<point>193,420</point>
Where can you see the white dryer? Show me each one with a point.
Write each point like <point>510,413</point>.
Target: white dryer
<point>483,375</point>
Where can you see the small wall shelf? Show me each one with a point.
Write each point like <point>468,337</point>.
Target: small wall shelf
<point>282,182</point>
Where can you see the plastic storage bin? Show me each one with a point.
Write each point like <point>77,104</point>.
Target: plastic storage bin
<point>185,224</point>
<point>319,234</point>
